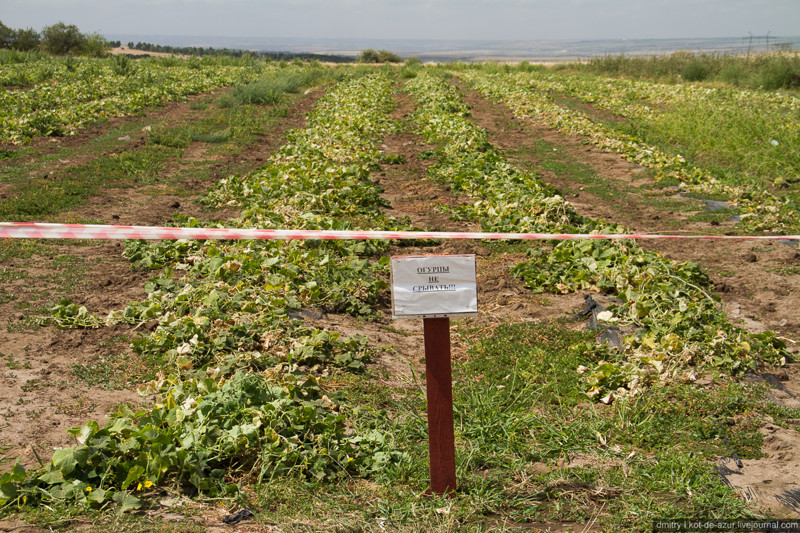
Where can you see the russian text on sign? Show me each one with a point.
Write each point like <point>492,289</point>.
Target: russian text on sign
<point>434,286</point>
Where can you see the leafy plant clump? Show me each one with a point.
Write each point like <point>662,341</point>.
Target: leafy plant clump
<point>206,433</point>
<point>678,329</point>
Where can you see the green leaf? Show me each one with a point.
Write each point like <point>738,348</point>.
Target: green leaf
<point>64,461</point>
<point>87,431</point>
<point>52,478</point>
<point>97,496</point>
<point>126,501</point>
<point>134,475</point>
<point>8,492</point>
<point>17,473</point>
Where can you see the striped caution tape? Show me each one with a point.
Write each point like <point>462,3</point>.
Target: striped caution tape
<point>35,230</point>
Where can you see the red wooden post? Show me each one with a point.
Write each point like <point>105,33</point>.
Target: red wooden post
<point>439,383</point>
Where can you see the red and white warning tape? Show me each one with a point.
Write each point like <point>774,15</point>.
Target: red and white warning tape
<point>35,230</point>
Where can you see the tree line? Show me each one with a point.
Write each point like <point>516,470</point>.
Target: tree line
<point>58,39</point>
<point>200,51</point>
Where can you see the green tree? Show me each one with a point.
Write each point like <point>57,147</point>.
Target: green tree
<point>378,56</point>
<point>368,56</point>
<point>96,45</point>
<point>61,39</point>
<point>6,35</point>
<point>385,56</point>
<point>24,40</point>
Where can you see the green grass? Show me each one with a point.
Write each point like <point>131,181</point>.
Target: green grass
<point>235,127</point>
<point>714,215</point>
<point>759,71</point>
<point>544,156</point>
<point>42,196</point>
<point>518,403</point>
<point>713,137</point>
<point>601,117</point>
<point>673,204</point>
<point>272,88</point>
<point>12,153</point>
<point>116,371</point>
<point>200,104</point>
<point>549,157</point>
<point>210,137</point>
<point>712,131</point>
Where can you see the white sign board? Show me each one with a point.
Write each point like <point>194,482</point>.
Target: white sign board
<point>432,286</point>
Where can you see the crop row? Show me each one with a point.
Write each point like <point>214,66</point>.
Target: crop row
<point>713,120</point>
<point>242,391</point>
<point>619,94</point>
<point>761,210</point>
<point>90,90</point>
<point>678,329</point>
<point>506,199</point>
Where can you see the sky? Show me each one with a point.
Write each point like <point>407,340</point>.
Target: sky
<point>531,20</point>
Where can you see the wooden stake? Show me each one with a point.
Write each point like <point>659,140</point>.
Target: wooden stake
<point>439,382</point>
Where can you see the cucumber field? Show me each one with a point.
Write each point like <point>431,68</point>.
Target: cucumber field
<point>168,385</point>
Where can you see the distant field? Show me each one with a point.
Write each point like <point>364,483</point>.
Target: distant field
<point>124,50</point>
